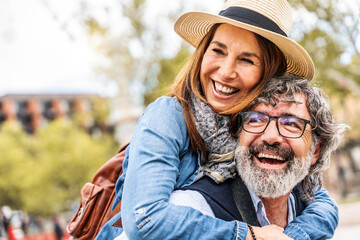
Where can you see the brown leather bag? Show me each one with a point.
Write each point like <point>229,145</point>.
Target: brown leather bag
<point>97,199</point>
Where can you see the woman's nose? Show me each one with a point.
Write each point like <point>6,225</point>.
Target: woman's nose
<point>227,69</point>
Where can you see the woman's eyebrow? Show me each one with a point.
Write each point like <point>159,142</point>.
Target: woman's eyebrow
<point>220,44</point>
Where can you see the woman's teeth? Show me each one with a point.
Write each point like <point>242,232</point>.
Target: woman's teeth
<point>224,90</point>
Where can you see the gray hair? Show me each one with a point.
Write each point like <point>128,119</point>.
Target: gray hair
<point>324,127</point>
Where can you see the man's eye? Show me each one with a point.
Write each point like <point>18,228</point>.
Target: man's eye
<point>257,120</point>
<point>291,123</point>
<point>254,119</point>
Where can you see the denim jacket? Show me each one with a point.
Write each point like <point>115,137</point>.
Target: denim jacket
<point>160,160</point>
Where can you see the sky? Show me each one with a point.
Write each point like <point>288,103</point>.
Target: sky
<point>43,48</point>
<point>38,56</point>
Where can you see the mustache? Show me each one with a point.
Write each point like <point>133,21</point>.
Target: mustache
<point>288,154</point>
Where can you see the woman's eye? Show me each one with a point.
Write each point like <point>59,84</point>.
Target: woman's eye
<point>247,60</point>
<point>218,51</point>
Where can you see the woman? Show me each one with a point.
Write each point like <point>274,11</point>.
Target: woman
<point>236,54</point>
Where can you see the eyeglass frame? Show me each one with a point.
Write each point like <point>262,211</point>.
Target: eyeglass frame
<point>276,123</point>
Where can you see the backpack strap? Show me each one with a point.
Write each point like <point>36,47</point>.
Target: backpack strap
<point>116,210</point>
<point>243,202</point>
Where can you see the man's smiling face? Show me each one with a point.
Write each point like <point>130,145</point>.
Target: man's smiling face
<point>270,164</point>
<point>300,147</point>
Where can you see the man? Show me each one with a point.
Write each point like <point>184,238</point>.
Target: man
<point>286,138</point>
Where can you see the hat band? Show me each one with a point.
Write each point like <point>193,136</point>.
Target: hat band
<point>253,18</point>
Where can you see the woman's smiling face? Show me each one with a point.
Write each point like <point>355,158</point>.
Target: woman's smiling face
<point>231,67</point>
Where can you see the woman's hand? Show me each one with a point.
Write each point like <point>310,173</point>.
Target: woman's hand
<point>269,232</point>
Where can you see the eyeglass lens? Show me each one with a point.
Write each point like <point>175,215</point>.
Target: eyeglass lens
<point>288,126</point>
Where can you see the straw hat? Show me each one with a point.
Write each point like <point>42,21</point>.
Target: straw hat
<point>270,19</point>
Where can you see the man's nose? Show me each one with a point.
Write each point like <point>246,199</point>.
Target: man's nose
<point>227,69</point>
<point>271,134</point>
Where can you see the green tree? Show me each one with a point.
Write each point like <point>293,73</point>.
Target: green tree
<point>169,69</point>
<point>333,43</point>
<point>43,173</point>
<point>16,154</point>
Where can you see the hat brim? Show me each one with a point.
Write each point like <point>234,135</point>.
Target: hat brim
<point>193,26</point>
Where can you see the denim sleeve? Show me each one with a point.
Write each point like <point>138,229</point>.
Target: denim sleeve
<point>318,220</point>
<point>153,171</point>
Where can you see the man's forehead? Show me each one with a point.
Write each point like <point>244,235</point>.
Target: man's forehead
<point>295,107</point>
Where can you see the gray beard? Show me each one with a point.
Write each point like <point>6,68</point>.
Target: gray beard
<point>270,183</point>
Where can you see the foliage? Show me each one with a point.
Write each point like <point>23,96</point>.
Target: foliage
<point>333,44</point>
<point>100,110</point>
<point>43,173</point>
<point>133,56</point>
<point>15,148</point>
<point>169,70</point>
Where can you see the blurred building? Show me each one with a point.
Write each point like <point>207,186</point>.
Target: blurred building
<point>124,116</point>
<point>342,179</point>
<point>34,111</point>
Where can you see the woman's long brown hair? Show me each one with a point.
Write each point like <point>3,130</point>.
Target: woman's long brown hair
<point>187,82</point>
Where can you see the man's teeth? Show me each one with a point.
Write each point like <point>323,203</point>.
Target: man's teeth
<point>264,155</point>
<point>221,88</point>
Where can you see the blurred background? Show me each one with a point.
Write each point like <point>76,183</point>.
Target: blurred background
<point>76,75</point>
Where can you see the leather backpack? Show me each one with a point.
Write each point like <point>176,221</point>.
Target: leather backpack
<point>97,198</point>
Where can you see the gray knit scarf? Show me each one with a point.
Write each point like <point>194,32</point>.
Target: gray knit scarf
<point>215,132</point>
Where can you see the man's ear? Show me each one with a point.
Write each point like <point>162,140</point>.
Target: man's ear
<point>317,151</point>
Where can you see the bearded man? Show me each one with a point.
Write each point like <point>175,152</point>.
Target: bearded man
<point>286,138</point>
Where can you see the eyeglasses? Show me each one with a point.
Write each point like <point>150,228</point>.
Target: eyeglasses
<point>287,126</point>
